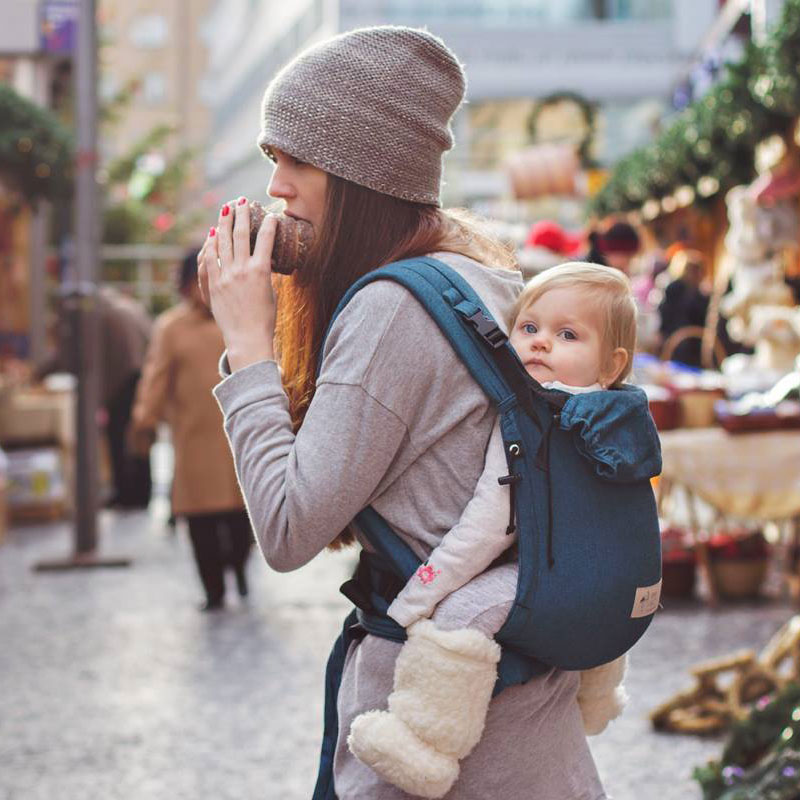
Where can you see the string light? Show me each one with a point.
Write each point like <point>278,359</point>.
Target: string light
<point>707,185</point>
<point>669,204</point>
<point>685,196</point>
<point>650,209</point>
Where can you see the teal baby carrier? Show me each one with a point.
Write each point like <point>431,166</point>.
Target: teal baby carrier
<point>582,507</point>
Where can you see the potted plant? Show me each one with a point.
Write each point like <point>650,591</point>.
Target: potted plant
<point>738,562</point>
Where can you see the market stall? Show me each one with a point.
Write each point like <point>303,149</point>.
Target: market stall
<point>722,180</point>
<point>37,439</point>
<point>747,480</point>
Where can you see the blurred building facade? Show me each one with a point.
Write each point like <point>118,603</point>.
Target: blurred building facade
<point>248,42</point>
<point>624,55</point>
<point>156,44</point>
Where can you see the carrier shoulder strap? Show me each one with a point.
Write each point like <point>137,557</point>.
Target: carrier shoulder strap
<point>472,332</point>
<point>481,345</point>
<point>441,290</point>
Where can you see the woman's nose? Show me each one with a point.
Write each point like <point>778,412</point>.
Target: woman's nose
<point>279,187</point>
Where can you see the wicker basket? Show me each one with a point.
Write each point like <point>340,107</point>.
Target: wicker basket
<point>738,579</point>
<point>697,407</point>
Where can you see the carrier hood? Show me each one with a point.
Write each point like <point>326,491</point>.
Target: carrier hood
<point>615,432</point>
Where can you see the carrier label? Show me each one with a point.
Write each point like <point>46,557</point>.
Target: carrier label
<point>646,601</point>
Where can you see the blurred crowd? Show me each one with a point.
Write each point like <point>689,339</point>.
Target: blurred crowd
<point>672,285</point>
<point>159,374</point>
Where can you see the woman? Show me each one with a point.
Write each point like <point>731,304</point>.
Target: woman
<point>179,372</point>
<point>357,127</point>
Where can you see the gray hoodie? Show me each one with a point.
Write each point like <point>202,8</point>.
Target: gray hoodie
<point>397,422</point>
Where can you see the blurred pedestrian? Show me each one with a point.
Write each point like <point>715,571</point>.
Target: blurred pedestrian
<point>613,245</point>
<point>357,127</point>
<point>179,373</point>
<point>124,328</point>
<point>546,245</point>
<point>685,303</point>
<point>648,295</point>
<point>123,331</point>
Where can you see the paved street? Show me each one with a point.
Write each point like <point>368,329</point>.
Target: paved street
<point>114,687</point>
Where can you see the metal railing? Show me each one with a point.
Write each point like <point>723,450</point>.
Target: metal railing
<point>148,281</point>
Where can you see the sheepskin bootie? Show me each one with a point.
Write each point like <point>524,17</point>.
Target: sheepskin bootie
<point>443,683</point>
<point>601,695</point>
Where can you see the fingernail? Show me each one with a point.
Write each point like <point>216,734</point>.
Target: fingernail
<point>225,210</point>
<point>212,232</point>
<point>242,201</point>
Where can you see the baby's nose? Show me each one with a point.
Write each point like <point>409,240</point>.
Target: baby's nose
<point>541,341</point>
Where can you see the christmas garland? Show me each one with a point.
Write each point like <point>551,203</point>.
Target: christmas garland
<point>36,150</point>
<point>762,756</point>
<point>710,146</point>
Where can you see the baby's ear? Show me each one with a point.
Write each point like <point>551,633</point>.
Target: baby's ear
<point>615,363</point>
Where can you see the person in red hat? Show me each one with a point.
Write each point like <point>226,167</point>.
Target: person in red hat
<point>546,245</point>
<point>553,237</point>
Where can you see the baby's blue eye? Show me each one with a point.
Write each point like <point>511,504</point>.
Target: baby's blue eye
<point>569,335</point>
<point>529,327</point>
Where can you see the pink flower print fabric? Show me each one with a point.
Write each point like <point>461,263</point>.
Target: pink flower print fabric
<point>427,574</point>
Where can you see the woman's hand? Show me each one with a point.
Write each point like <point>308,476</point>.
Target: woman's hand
<point>238,286</point>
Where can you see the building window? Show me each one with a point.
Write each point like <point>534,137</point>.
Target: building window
<point>154,88</point>
<point>108,86</point>
<point>507,12</point>
<point>149,31</point>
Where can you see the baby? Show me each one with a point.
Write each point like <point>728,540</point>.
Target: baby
<point>574,329</point>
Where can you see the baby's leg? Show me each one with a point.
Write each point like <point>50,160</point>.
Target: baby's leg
<point>482,604</point>
<point>443,682</point>
<point>602,696</point>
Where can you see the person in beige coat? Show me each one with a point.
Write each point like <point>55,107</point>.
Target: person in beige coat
<point>180,370</point>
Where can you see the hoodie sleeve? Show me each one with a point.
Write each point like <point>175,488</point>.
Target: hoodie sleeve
<point>615,432</point>
<point>467,549</point>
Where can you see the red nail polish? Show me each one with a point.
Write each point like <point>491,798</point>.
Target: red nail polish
<point>212,232</point>
<point>242,201</point>
<point>225,211</point>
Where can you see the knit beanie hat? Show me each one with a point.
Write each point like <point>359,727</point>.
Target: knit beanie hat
<point>372,106</point>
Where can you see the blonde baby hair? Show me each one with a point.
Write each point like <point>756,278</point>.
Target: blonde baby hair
<point>611,294</point>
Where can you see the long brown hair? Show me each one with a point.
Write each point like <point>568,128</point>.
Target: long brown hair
<point>362,230</point>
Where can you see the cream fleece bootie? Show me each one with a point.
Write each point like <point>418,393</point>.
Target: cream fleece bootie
<point>443,683</point>
<point>601,695</point>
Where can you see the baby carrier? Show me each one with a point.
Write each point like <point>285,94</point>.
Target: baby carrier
<point>589,549</point>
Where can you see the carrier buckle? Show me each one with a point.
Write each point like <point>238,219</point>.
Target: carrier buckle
<point>354,592</point>
<point>487,329</point>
